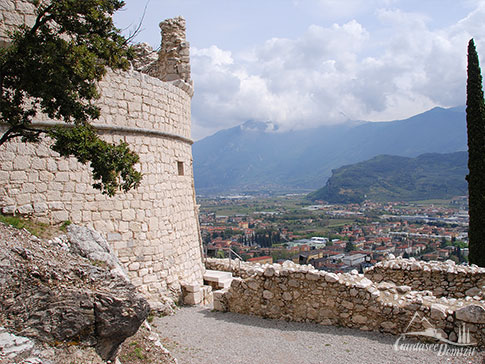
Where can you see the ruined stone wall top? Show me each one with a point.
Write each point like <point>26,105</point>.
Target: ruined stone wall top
<point>174,53</point>
<point>301,293</point>
<point>170,64</point>
<point>173,61</point>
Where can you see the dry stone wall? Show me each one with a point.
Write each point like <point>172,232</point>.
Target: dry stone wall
<point>301,293</point>
<point>442,278</point>
<point>235,266</point>
<point>153,230</point>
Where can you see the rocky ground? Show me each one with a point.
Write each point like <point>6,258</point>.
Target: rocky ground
<point>142,348</point>
<point>58,306</point>
<point>145,347</point>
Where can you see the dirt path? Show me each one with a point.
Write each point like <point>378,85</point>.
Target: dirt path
<point>199,335</point>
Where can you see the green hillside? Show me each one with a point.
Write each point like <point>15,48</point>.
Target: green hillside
<point>391,178</point>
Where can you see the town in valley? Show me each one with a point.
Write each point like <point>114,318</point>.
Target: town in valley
<point>337,238</point>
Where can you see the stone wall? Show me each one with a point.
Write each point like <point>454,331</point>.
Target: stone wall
<point>154,229</point>
<point>301,293</point>
<point>174,55</point>
<point>235,266</point>
<point>12,14</point>
<point>442,278</point>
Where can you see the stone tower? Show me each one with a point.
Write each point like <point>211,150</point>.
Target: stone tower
<point>154,229</point>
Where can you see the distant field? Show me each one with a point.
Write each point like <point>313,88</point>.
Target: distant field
<point>252,205</point>
<point>291,215</point>
<point>446,202</point>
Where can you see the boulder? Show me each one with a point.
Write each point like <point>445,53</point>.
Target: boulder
<point>437,311</point>
<point>116,318</point>
<point>474,291</point>
<point>403,289</point>
<point>253,284</point>
<point>364,283</point>
<point>331,277</point>
<point>359,319</point>
<point>14,347</point>
<point>90,244</point>
<point>268,294</point>
<point>55,296</point>
<point>269,272</point>
<point>471,313</point>
<point>287,296</point>
<point>388,325</point>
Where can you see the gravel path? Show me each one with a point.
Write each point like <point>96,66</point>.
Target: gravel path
<point>199,335</point>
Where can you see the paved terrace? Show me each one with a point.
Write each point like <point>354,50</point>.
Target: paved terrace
<point>201,336</point>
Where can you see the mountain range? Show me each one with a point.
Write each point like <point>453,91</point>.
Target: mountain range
<point>256,156</point>
<point>392,178</point>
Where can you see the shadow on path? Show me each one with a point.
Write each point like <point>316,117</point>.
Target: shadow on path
<point>291,326</point>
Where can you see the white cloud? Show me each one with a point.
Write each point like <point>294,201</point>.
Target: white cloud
<point>218,57</point>
<point>335,72</point>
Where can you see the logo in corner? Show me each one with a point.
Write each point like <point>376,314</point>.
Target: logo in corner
<point>464,337</point>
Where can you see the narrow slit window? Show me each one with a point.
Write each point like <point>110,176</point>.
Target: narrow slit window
<point>180,168</point>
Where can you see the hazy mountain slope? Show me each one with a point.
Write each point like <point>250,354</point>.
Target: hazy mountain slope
<point>392,178</point>
<point>248,157</point>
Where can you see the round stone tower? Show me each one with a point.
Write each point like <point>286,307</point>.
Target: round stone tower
<point>154,229</point>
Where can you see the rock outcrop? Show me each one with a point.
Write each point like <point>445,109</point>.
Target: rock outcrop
<point>55,296</point>
<point>90,244</point>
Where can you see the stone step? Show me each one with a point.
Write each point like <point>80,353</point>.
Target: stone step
<point>225,283</point>
<point>216,276</point>
<point>194,294</point>
<point>218,279</point>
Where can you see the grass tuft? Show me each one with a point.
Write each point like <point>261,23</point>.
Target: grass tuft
<point>39,229</point>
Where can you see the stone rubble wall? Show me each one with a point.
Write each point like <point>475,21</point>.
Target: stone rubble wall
<point>236,267</point>
<point>301,293</point>
<point>174,56</point>
<point>442,278</point>
<point>153,230</point>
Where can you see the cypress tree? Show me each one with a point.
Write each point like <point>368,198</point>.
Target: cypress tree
<point>475,119</point>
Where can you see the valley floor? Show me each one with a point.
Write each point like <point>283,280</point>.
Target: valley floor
<point>200,335</point>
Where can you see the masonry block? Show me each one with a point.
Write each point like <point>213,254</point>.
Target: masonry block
<point>191,288</point>
<point>193,298</point>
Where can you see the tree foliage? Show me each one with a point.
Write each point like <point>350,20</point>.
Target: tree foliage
<point>267,237</point>
<point>53,67</point>
<point>394,178</point>
<point>349,247</point>
<point>475,118</point>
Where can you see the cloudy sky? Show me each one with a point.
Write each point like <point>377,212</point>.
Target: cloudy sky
<point>303,63</point>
